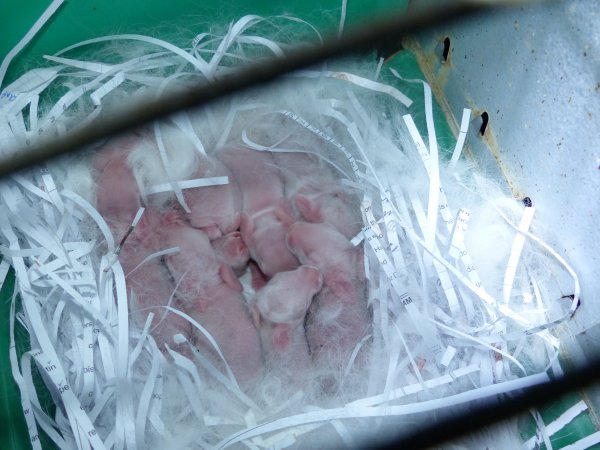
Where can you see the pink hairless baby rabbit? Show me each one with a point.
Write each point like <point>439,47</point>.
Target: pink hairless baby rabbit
<point>279,310</point>
<point>148,283</point>
<point>338,318</point>
<point>212,295</point>
<point>266,214</point>
<point>317,195</point>
<point>216,209</point>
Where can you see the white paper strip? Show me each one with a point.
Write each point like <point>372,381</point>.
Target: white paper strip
<point>326,137</point>
<point>462,135</point>
<point>37,26</point>
<point>558,424</point>
<point>358,81</point>
<point>188,184</point>
<point>428,332</point>
<point>4,268</point>
<point>167,166</point>
<point>350,412</point>
<point>342,18</point>
<point>106,88</point>
<point>585,443</point>
<point>18,377</point>
<point>515,252</point>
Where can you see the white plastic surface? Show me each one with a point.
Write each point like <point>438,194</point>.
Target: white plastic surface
<point>536,71</point>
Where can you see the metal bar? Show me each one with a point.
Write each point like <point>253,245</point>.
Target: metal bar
<point>475,417</point>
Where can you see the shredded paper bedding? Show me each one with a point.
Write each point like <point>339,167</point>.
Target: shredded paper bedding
<point>298,265</point>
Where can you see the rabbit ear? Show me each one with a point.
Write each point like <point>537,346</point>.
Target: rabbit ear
<point>341,285</point>
<point>233,247</point>
<point>227,275</point>
<point>259,279</point>
<point>308,209</point>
